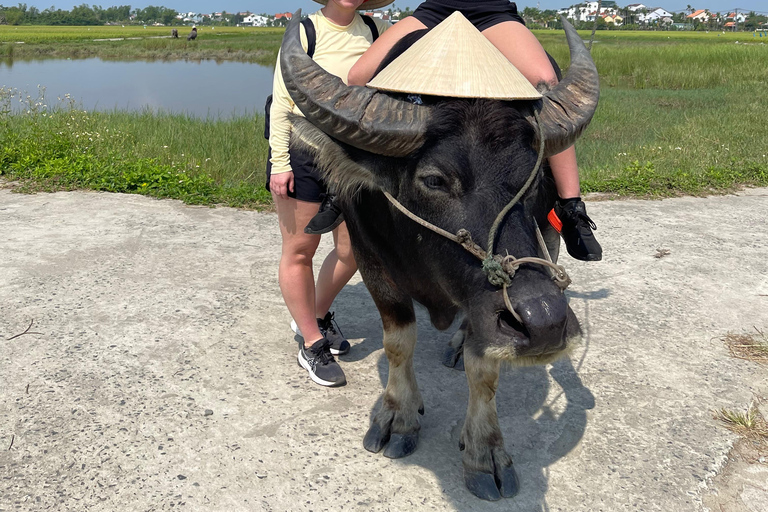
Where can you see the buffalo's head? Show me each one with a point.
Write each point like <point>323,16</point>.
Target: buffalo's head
<point>455,163</point>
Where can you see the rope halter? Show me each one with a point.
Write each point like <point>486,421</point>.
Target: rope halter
<point>499,270</point>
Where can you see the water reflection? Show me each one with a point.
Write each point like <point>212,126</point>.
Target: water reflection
<point>200,88</point>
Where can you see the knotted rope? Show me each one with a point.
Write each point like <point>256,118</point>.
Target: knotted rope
<point>499,270</point>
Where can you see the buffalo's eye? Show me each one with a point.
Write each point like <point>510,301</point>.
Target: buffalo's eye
<point>434,181</point>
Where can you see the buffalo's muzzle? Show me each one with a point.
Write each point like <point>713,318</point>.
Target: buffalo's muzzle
<point>543,327</point>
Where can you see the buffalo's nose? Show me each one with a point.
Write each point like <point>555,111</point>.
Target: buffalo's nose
<point>544,320</point>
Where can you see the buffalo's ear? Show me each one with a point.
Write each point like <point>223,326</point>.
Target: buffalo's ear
<point>346,168</point>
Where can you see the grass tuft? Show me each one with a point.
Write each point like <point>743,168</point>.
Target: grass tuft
<point>751,347</point>
<point>749,424</point>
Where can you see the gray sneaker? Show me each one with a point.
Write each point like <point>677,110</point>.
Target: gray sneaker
<point>322,367</point>
<point>330,329</point>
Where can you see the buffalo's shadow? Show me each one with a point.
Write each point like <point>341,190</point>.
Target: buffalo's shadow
<point>541,424</point>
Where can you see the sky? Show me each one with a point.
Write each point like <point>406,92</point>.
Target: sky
<point>274,6</point>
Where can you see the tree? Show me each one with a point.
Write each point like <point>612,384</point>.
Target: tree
<point>405,13</point>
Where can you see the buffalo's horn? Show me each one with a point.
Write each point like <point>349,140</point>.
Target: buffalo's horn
<point>568,108</point>
<point>359,116</point>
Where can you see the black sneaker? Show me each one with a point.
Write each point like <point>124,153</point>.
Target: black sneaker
<point>328,217</point>
<point>570,219</point>
<point>330,329</point>
<point>322,367</point>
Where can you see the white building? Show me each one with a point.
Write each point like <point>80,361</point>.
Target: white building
<point>255,20</point>
<point>588,10</point>
<point>656,15</point>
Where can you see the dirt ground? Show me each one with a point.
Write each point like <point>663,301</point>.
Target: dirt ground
<point>160,371</point>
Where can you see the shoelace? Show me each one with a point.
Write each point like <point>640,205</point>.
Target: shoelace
<point>331,326</point>
<point>585,218</point>
<point>322,356</point>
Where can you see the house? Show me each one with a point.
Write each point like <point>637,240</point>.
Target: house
<point>588,10</point>
<point>700,15</point>
<point>656,15</point>
<point>738,17</point>
<point>281,15</point>
<point>254,20</point>
<point>636,7</point>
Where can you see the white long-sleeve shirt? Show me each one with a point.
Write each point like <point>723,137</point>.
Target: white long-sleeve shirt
<point>337,48</point>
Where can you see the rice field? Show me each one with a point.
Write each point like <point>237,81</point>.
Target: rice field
<point>33,34</point>
<point>245,44</point>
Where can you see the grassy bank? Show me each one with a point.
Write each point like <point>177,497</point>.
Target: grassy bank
<point>62,147</point>
<point>244,44</point>
<point>680,113</point>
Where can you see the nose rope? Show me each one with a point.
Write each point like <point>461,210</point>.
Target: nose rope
<point>499,270</point>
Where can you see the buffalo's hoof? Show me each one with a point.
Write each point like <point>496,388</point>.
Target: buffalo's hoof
<point>401,445</point>
<point>488,486</point>
<point>482,485</point>
<point>375,438</point>
<point>454,358</point>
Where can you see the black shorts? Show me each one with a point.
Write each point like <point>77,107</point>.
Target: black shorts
<point>308,184</point>
<point>482,14</point>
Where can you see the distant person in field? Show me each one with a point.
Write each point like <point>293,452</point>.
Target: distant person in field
<point>192,35</point>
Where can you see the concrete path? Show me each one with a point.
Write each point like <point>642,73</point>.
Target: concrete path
<point>162,374</point>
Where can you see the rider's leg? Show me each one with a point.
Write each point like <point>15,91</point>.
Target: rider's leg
<point>363,70</point>
<point>569,216</point>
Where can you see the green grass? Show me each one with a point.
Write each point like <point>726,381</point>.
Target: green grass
<point>661,142</point>
<point>680,113</point>
<point>161,155</point>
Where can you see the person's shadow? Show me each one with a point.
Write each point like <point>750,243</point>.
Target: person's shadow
<point>537,431</point>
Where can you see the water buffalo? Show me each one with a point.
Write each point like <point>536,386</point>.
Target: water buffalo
<point>192,35</point>
<point>174,33</point>
<point>455,163</point>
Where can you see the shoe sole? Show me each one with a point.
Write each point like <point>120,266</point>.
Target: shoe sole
<point>338,352</point>
<point>330,228</point>
<point>315,378</point>
<point>295,328</point>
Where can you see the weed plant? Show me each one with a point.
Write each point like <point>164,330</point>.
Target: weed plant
<point>48,147</point>
<point>749,424</point>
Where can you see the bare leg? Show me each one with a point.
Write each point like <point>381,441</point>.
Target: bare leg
<point>488,470</point>
<point>338,268</point>
<point>363,70</point>
<point>522,49</point>
<point>566,173</point>
<point>297,282</point>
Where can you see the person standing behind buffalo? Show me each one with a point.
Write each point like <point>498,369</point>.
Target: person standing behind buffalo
<point>341,37</point>
<point>500,22</point>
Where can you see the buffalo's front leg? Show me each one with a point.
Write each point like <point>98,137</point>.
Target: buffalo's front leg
<point>453,357</point>
<point>396,423</point>
<point>488,470</point>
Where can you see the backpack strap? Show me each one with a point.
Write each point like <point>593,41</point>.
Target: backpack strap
<point>309,28</point>
<point>371,25</point>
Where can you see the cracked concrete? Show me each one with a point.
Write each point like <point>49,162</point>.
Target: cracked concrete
<point>151,312</point>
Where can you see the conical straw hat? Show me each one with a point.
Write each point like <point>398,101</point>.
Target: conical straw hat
<point>455,60</point>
